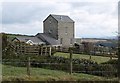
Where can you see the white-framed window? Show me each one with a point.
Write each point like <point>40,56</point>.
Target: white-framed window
<point>50,31</point>
<point>30,42</point>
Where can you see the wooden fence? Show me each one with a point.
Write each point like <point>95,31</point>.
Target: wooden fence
<point>27,49</point>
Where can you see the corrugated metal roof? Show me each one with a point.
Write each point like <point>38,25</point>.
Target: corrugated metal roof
<point>47,38</point>
<point>63,18</point>
<point>35,40</point>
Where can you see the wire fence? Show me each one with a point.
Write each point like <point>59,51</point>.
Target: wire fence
<point>29,67</point>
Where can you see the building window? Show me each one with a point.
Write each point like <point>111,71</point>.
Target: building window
<point>71,41</point>
<point>50,21</point>
<point>61,40</point>
<point>50,31</point>
<point>66,32</point>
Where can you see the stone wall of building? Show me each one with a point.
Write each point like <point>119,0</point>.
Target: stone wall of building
<point>50,27</point>
<point>66,33</point>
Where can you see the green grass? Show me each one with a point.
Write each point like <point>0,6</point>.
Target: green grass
<point>98,59</point>
<point>11,73</point>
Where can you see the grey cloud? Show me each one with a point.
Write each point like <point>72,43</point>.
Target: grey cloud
<point>15,14</point>
<point>23,12</point>
<point>29,29</point>
<point>94,7</point>
<point>81,4</point>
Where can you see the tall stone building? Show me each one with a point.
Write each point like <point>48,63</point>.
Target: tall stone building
<point>61,28</point>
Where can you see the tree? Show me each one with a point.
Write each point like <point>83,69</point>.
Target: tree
<point>88,48</point>
<point>7,48</point>
<point>4,44</point>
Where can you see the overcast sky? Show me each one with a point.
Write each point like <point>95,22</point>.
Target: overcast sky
<point>93,18</point>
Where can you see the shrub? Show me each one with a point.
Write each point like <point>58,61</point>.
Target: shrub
<point>113,61</point>
<point>108,70</point>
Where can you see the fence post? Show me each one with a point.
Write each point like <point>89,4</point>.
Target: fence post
<point>90,56</point>
<point>50,51</point>
<point>110,53</point>
<point>71,52</point>
<point>41,50</point>
<point>28,67</point>
<point>119,41</point>
<point>119,57</point>
<point>46,50</point>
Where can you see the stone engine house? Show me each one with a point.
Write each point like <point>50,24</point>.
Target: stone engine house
<point>61,28</point>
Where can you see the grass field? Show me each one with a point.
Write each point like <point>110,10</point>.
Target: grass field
<point>98,59</point>
<point>11,73</point>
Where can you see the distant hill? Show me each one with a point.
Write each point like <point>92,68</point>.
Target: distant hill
<point>14,35</point>
<point>112,37</point>
<point>11,36</point>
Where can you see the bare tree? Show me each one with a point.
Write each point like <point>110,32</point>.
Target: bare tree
<point>88,48</point>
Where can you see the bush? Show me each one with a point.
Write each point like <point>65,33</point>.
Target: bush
<point>113,61</point>
<point>108,70</point>
<point>110,67</point>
